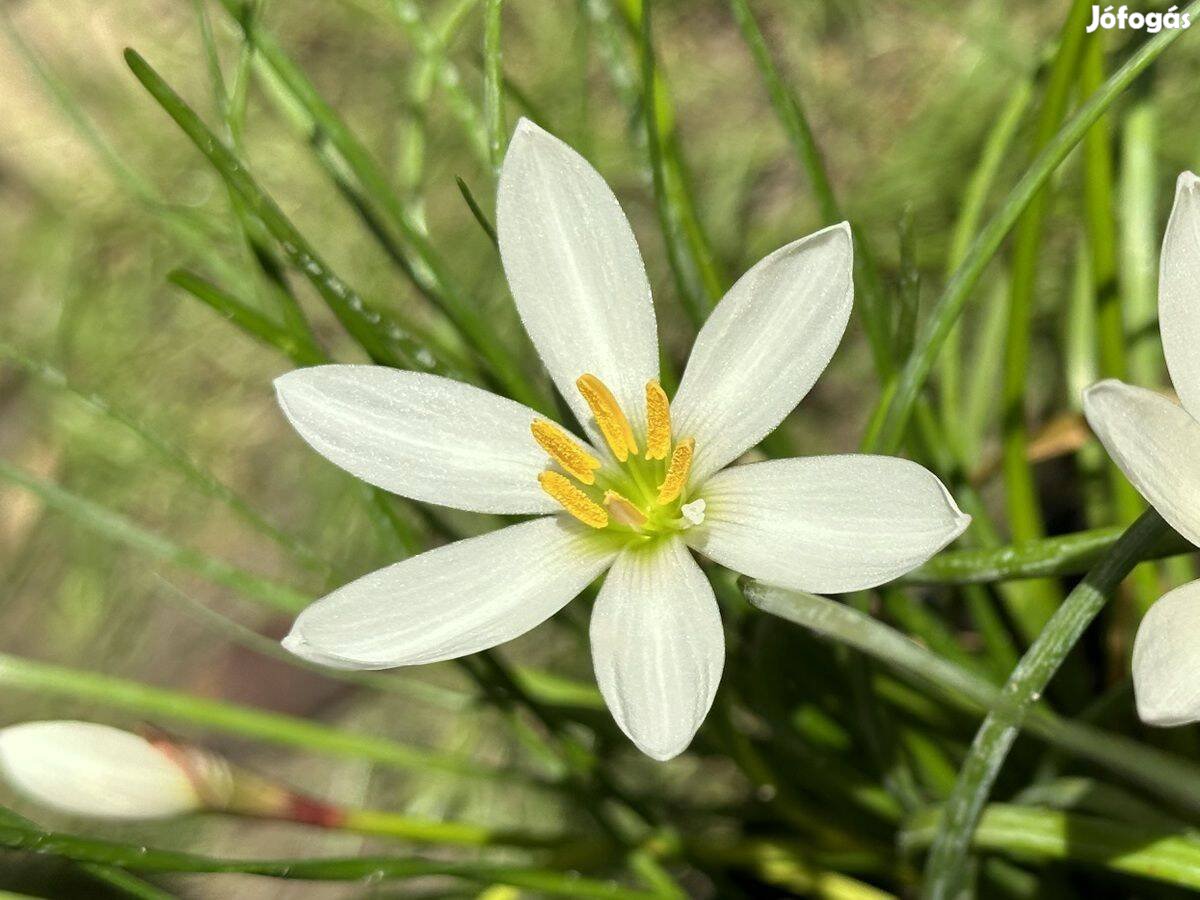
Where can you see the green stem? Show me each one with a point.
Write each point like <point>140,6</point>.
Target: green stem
<point>946,867</point>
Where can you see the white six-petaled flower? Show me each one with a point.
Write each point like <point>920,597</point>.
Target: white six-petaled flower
<point>1156,443</point>
<point>648,483</point>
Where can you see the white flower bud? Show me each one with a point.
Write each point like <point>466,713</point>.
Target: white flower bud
<point>85,769</point>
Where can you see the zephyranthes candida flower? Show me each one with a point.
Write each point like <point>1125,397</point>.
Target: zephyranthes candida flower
<point>1157,445</point>
<point>649,480</point>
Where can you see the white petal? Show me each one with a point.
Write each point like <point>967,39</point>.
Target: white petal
<point>575,272</point>
<point>421,436</point>
<point>1166,659</point>
<point>1179,292</point>
<point>453,600</point>
<point>764,346</point>
<point>1156,443</point>
<point>85,769</point>
<point>826,524</point>
<point>657,646</point>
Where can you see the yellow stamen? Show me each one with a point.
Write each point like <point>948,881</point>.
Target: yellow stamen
<point>564,451</point>
<point>609,418</point>
<point>677,471</point>
<point>658,417</point>
<point>573,500</point>
<point>623,511</point>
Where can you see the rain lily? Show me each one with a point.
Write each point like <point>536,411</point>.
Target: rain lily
<point>85,769</point>
<point>1157,445</point>
<point>648,480</point>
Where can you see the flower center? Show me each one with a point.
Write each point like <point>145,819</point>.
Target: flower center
<point>644,494</point>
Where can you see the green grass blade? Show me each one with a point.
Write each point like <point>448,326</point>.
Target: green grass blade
<point>1173,779</point>
<point>892,414</point>
<point>945,868</point>
<point>966,226</point>
<point>175,457</point>
<point>1052,835</point>
<point>466,315</point>
<point>1037,599</point>
<point>790,112</point>
<point>493,85</point>
<point>161,704</point>
<point>247,318</point>
<point>546,882</point>
<point>1067,554</point>
<point>118,879</point>
<point>237,633</point>
<point>1101,229</point>
<point>697,294</point>
<point>383,340</point>
<point>115,527</point>
<point>1138,220</point>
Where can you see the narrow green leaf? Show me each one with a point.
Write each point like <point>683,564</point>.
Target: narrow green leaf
<point>1173,779</point>
<point>1048,834</point>
<point>493,84</point>
<point>477,212</point>
<point>116,527</point>
<point>360,868</point>
<point>966,226</point>
<point>383,340</point>
<point>175,457</point>
<point>161,704</point>
<point>437,281</point>
<point>790,112</point>
<point>247,318</point>
<point>893,412</point>
<point>1068,554</point>
<point>945,868</point>
<point>118,879</point>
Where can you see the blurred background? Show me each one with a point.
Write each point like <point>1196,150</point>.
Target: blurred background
<point>177,476</point>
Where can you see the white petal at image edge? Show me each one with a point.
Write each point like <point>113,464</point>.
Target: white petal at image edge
<point>575,272</point>
<point>657,647</point>
<point>1179,292</point>
<point>826,524</point>
<point>86,769</point>
<point>454,600</point>
<point>421,436</point>
<point>1156,443</point>
<point>764,346</point>
<point>1166,666</point>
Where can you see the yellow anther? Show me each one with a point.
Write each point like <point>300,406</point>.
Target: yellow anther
<point>677,471</point>
<point>658,418</point>
<point>609,418</point>
<point>563,450</point>
<point>623,511</point>
<point>573,500</point>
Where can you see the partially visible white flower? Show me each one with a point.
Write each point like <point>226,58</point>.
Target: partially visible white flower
<point>1156,443</point>
<point>85,769</point>
<point>649,482</point>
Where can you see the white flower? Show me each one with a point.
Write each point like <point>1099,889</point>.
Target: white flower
<point>1157,445</point>
<point>85,769</point>
<point>647,484</point>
